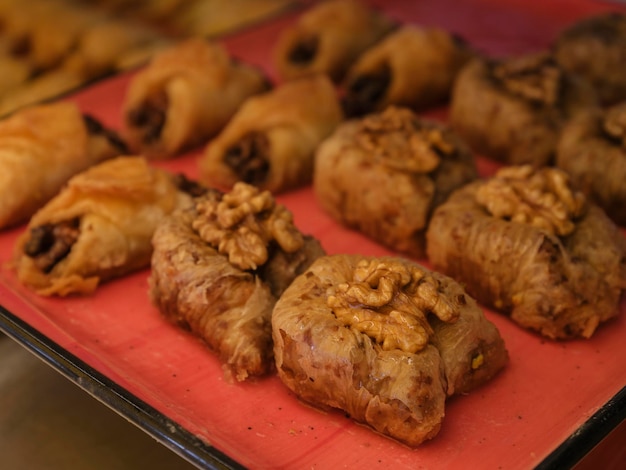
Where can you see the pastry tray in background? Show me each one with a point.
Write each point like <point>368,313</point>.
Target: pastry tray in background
<point>550,406</point>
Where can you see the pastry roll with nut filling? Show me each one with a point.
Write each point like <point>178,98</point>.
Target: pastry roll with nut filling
<point>413,67</point>
<point>328,38</point>
<point>271,141</point>
<point>185,96</point>
<point>594,49</point>
<point>385,173</point>
<point>218,268</point>
<point>592,149</point>
<point>512,110</point>
<point>528,244</point>
<point>97,228</point>
<point>40,149</point>
<point>385,340</point>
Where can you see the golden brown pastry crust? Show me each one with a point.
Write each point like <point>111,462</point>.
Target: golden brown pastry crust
<point>40,149</point>
<point>110,212</point>
<point>184,96</point>
<point>592,149</point>
<point>346,332</point>
<point>271,140</point>
<point>512,110</point>
<point>218,268</point>
<point>594,48</point>
<point>384,174</point>
<point>414,67</point>
<point>328,38</point>
<point>558,273</point>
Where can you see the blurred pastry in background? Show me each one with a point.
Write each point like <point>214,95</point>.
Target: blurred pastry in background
<point>184,96</point>
<point>41,148</point>
<point>412,67</point>
<point>271,140</point>
<point>595,48</point>
<point>512,109</point>
<point>328,38</point>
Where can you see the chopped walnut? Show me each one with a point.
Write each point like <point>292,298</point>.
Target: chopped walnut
<point>389,302</point>
<point>242,223</point>
<point>535,77</point>
<point>402,141</point>
<point>615,123</point>
<point>542,198</point>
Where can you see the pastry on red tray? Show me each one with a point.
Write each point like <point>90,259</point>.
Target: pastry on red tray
<point>527,243</point>
<point>385,173</point>
<point>328,38</point>
<point>594,48</point>
<point>271,140</point>
<point>592,149</point>
<point>385,340</point>
<point>218,268</point>
<point>512,109</point>
<point>41,148</point>
<point>184,96</point>
<point>98,227</point>
<point>413,66</point>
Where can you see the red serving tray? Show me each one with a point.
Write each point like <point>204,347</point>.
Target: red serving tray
<point>545,396</point>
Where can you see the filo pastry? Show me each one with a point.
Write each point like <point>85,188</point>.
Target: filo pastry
<point>97,228</point>
<point>40,149</point>
<point>271,141</point>
<point>328,38</point>
<point>186,95</point>
<point>413,67</point>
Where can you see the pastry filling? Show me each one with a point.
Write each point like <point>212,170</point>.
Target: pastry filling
<point>150,117</point>
<point>95,128</point>
<point>542,198</point>
<point>536,78</point>
<point>304,51</point>
<point>390,303</point>
<point>50,243</point>
<point>244,224</point>
<point>249,158</point>
<point>189,186</point>
<point>366,91</point>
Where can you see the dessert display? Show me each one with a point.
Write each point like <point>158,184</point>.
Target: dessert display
<point>184,96</point>
<point>528,244</point>
<point>413,67</point>
<point>385,340</point>
<point>512,110</point>
<point>385,173</point>
<point>328,38</point>
<point>594,48</point>
<point>592,149</point>
<point>41,148</point>
<point>271,140</point>
<point>97,228</point>
<point>218,267</point>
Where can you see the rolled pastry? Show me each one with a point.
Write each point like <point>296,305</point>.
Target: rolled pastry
<point>328,38</point>
<point>218,268</point>
<point>385,173</point>
<point>512,110</point>
<point>529,245</point>
<point>385,340</point>
<point>413,67</point>
<point>97,228</point>
<point>271,141</point>
<point>40,149</point>
<point>592,149</point>
<point>184,96</point>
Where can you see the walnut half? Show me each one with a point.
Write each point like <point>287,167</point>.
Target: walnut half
<point>242,223</point>
<point>542,198</point>
<point>389,302</point>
